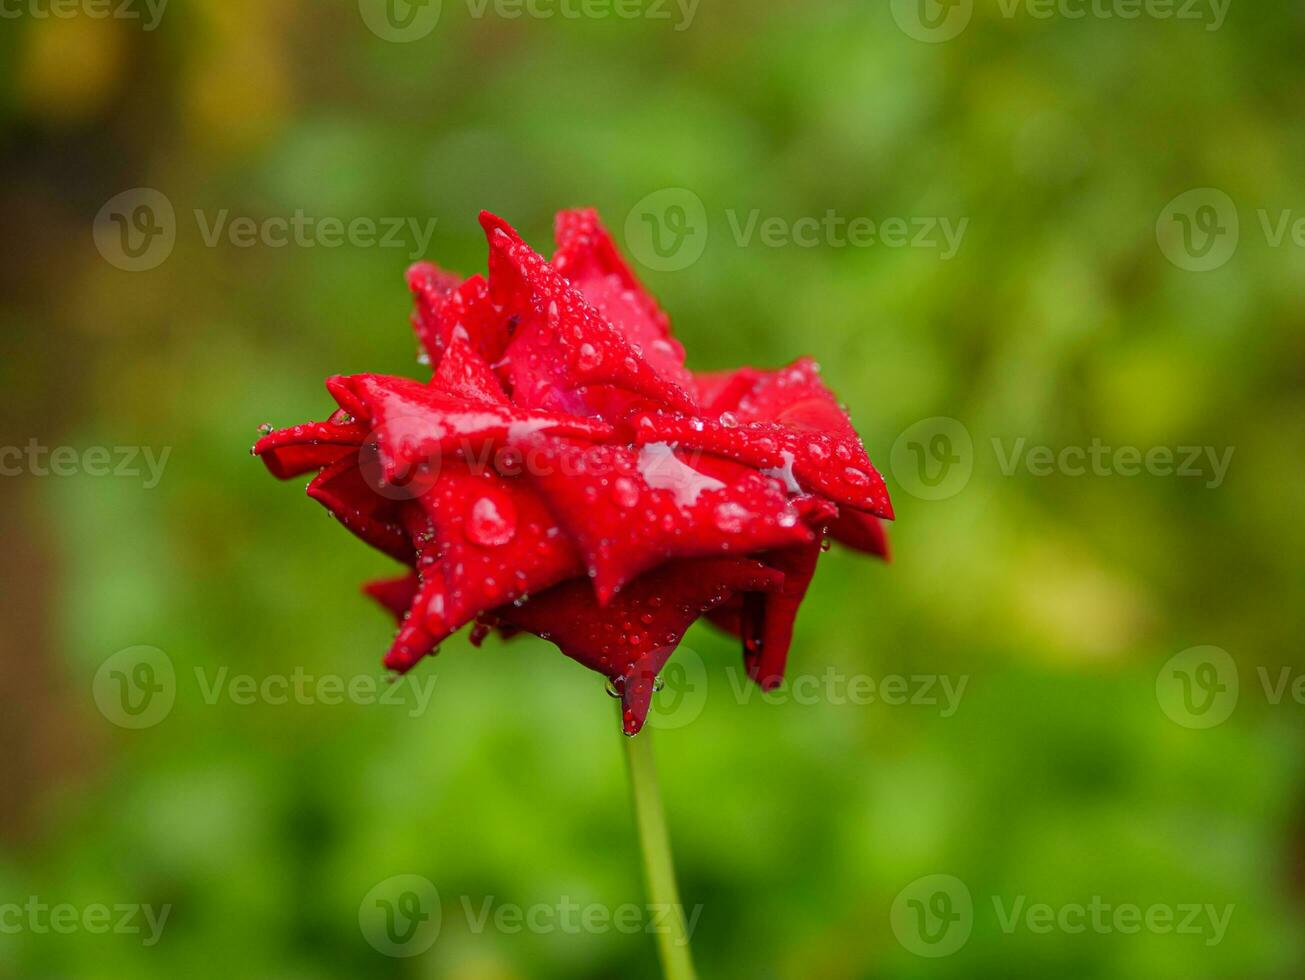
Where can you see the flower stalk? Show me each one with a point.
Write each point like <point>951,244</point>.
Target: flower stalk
<point>659,869</point>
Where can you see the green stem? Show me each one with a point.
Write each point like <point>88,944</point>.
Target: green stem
<point>658,869</point>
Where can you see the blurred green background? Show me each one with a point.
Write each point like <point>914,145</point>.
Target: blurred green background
<point>1064,317</point>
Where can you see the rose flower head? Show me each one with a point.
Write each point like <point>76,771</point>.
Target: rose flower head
<point>562,472</point>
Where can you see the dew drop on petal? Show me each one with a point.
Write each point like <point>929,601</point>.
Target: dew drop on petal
<point>857,478</point>
<point>731,517</point>
<point>625,491</point>
<point>491,521</point>
<point>589,357</point>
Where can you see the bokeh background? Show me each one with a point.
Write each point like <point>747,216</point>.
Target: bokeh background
<point>1070,313</point>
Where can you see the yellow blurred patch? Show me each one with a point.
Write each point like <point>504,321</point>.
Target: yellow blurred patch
<point>69,69</point>
<point>1074,608</point>
<point>238,90</point>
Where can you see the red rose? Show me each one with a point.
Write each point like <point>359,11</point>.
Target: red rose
<point>564,474</point>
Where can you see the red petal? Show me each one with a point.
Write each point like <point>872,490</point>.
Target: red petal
<point>586,253</point>
<point>766,621</point>
<point>630,640</point>
<point>835,466</point>
<point>301,449</point>
<point>394,594</point>
<point>415,424</point>
<point>423,628</point>
<point>862,531</point>
<point>497,541</point>
<point>587,256</point>
<point>446,309</point>
<point>563,344</point>
<point>430,286</point>
<point>721,391</point>
<point>629,510</point>
<point>464,374</point>
<point>341,489</point>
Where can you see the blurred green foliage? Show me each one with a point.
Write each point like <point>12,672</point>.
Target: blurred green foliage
<point>1058,598</point>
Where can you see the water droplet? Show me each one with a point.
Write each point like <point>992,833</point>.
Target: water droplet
<point>731,517</point>
<point>267,428</point>
<point>491,521</point>
<point>588,357</point>
<point>625,491</point>
<point>856,477</point>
